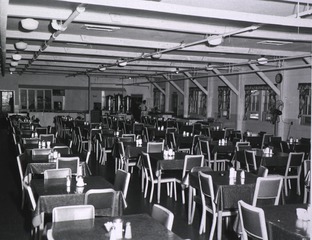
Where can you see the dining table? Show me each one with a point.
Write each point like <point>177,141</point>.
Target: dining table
<point>228,191</point>
<point>143,227</point>
<point>283,223</point>
<point>51,193</point>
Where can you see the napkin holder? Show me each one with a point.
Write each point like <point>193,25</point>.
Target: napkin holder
<point>80,181</point>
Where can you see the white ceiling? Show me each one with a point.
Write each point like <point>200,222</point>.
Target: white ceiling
<point>180,28</point>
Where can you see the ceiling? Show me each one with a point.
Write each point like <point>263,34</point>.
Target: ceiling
<point>135,32</point>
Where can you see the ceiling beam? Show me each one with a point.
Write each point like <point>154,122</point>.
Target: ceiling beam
<point>190,77</point>
<point>199,12</point>
<point>265,78</point>
<point>226,81</point>
<point>173,84</point>
<point>152,45</point>
<point>157,86</point>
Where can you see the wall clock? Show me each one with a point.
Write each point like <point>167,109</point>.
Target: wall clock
<point>278,78</point>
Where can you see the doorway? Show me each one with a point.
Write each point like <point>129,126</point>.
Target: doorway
<point>7,101</point>
<point>136,100</point>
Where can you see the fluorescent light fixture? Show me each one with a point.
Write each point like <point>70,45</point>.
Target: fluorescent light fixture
<point>105,28</point>
<point>16,57</point>
<point>29,24</point>
<point>215,40</point>
<point>262,60</point>
<point>274,43</point>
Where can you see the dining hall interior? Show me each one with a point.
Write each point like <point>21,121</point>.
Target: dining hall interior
<point>184,116</point>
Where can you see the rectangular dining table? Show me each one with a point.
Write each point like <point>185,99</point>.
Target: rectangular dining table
<point>228,191</point>
<point>143,227</point>
<point>282,222</point>
<point>51,193</point>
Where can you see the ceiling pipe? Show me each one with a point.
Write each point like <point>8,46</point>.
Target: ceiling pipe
<point>79,9</point>
<point>230,74</point>
<point>3,26</point>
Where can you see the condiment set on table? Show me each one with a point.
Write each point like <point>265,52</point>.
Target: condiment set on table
<point>232,176</point>
<point>169,154</point>
<point>115,229</point>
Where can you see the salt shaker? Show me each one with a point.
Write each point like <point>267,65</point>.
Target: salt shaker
<point>242,174</point>
<point>128,232</point>
<point>68,181</point>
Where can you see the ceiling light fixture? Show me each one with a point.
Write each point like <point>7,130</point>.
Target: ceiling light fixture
<point>20,45</point>
<point>102,68</point>
<point>262,60</point>
<point>14,64</point>
<point>177,70</point>
<point>16,57</point>
<point>29,24</point>
<point>209,67</point>
<point>215,40</point>
<point>122,63</point>
<point>12,69</point>
<point>156,55</point>
<point>100,27</point>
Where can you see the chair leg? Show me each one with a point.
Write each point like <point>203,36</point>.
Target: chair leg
<point>202,227</point>
<point>213,226</point>
<point>152,192</point>
<point>146,187</point>
<point>175,191</point>
<point>298,187</point>
<point>142,179</point>
<point>183,196</point>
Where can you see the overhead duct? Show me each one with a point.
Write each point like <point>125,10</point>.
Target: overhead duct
<point>63,27</point>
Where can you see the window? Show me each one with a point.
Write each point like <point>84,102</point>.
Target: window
<point>304,103</point>
<point>197,102</point>
<point>224,102</point>
<point>35,99</point>
<point>159,100</point>
<point>260,101</point>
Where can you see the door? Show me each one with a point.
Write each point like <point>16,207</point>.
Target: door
<point>7,101</point>
<point>136,100</point>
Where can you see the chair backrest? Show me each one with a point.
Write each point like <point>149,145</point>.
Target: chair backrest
<point>306,167</point>
<point>47,137</point>
<point>250,158</point>
<point>41,130</point>
<point>30,195</point>
<point>68,162</point>
<point>72,213</point>
<point>146,164</point>
<point>205,149</point>
<point>129,135</point>
<point>171,140</point>
<point>268,188</point>
<point>262,171</point>
<point>163,215</point>
<point>126,139</point>
<point>21,165</point>
<point>155,147</point>
<point>40,153</point>
<point>252,221</point>
<point>121,183</point>
<point>265,140</point>
<point>62,149</point>
<point>103,200</point>
<point>138,128</point>
<point>295,160</point>
<point>206,190</point>
<point>191,161</point>
<point>57,173</point>
<point>238,145</point>
<point>31,140</point>
<point>202,169</point>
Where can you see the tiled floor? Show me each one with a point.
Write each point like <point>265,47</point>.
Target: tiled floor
<point>15,224</point>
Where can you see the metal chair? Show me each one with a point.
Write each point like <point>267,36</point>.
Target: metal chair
<point>262,171</point>
<point>268,188</point>
<point>293,170</point>
<point>103,200</point>
<point>68,162</point>
<point>307,178</point>
<point>57,173</point>
<point>163,215</point>
<point>155,147</point>
<point>252,221</point>
<point>250,159</point>
<point>72,213</point>
<point>121,182</point>
<point>21,164</point>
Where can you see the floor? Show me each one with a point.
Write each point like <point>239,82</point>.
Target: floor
<point>15,223</point>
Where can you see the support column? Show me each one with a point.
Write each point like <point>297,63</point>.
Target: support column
<point>186,98</point>
<point>167,97</point>
<point>89,97</point>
